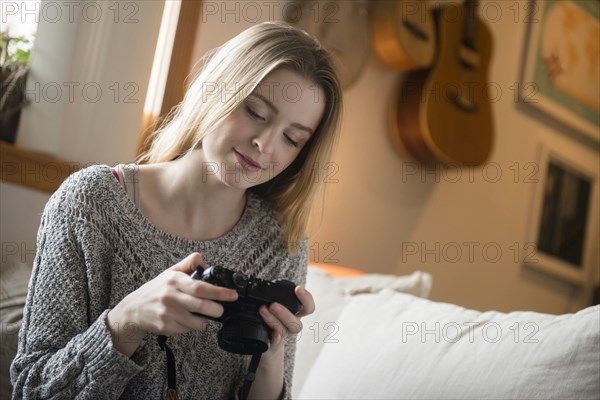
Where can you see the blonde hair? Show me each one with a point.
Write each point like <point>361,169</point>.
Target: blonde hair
<point>228,75</point>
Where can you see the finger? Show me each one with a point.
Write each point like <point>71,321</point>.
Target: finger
<point>188,265</point>
<point>204,307</point>
<point>277,328</point>
<point>283,320</point>
<point>191,322</point>
<point>205,290</point>
<point>308,303</point>
<point>170,326</point>
<point>176,313</point>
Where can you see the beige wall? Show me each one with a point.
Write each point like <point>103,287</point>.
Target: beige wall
<point>384,213</point>
<point>376,211</point>
<point>382,218</point>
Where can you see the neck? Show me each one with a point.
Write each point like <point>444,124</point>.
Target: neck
<point>193,177</point>
<point>199,205</point>
<point>470,20</point>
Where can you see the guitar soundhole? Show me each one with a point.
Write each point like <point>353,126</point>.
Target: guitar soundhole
<point>416,30</point>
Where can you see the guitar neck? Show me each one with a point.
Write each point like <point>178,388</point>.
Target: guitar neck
<point>470,25</point>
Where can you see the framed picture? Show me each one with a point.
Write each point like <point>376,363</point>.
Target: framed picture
<point>561,75</point>
<point>564,218</point>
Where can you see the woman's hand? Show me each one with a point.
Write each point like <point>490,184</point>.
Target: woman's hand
<point>167,305</point>
<point>269,376</point>
<point>282,322</point>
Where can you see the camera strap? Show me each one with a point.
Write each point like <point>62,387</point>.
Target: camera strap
<point>250,375</point>
<point>171,369</point>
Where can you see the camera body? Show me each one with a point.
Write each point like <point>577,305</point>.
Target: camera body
<point>244,331</point>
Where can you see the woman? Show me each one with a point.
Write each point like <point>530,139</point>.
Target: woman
<point>228,181</point>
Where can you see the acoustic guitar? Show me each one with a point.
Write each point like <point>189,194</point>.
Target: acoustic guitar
<point>444,115</point>
<point>403,33</point>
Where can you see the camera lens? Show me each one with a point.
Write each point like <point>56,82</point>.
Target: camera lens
<point>244,334</point>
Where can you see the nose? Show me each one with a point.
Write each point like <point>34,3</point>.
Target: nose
<point>264,141</point>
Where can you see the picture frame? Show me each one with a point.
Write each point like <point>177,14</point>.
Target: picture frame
<point>561,75</point>
<point>565,220</point>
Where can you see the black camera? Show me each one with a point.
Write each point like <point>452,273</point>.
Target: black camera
<point>244,331</point>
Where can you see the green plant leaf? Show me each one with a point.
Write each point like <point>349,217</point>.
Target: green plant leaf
<point>21,56</point>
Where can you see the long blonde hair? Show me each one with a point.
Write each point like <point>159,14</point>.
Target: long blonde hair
<point>228,75</point>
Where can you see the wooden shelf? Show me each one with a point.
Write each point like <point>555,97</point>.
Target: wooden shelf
<point>33,169</point>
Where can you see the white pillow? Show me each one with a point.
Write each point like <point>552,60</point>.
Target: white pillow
<point>330,300</point>
<point>331,294</point>
<point>418,283</point>
<point>393,345</point>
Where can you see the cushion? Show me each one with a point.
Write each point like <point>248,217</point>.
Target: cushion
<point>418,283</point>
<point>392,345</point>
<point>331,295</point>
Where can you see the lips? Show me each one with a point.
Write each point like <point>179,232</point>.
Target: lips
<point>246,162</point>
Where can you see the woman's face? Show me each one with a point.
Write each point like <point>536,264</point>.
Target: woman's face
<point>266,132</point>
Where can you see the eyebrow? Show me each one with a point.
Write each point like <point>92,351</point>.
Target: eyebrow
<point>276,111</point>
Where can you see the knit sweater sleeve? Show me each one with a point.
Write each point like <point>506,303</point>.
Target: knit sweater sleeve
<point>65,351</point>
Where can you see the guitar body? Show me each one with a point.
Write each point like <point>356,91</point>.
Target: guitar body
<point>403,34</point>
<point>407,131</point>
<point>452,117</point>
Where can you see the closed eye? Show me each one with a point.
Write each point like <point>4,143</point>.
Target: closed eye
<point>290,141</point>
<point>253,114</point>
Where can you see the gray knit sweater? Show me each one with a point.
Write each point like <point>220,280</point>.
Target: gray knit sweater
<point>94,247</point>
